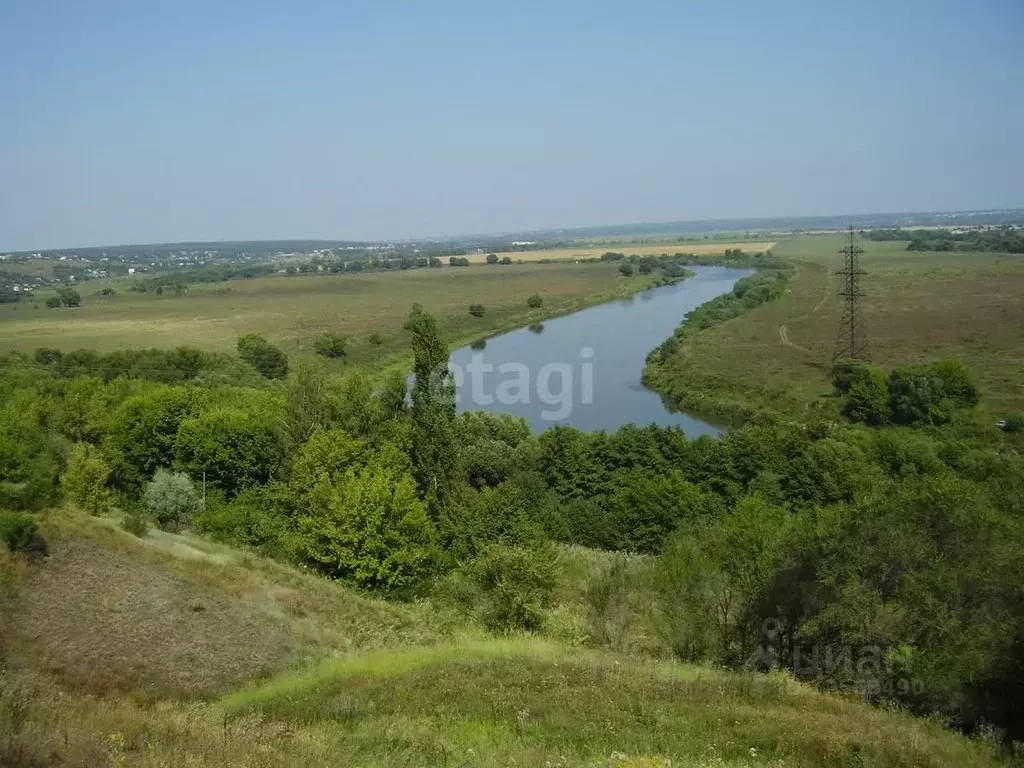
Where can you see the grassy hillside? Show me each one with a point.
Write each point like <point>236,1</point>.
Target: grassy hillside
<point>918,306</point>
<point>172,651</point>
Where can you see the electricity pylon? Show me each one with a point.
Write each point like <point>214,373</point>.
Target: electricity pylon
<point>852,342</point>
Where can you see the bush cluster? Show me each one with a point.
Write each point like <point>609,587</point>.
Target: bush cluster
<point>929,393</point>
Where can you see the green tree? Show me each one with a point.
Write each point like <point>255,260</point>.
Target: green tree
<point>931,393</point>
<point>866,390</point>
<point>69,297</point>
<point>506,259</point>
<point>143,431</point>
<point>491,515</point>
<point>28,466</point>
<point>270,361</point>
<point>330,344</point>
<point>535,301</point>
<point>53,302</point>
<point>85,480</point>
<point>232,448</point>
<point>477,310</point>
<point>626,269</point>
<point>326,458</point>
<point>307,403</point>
<point>370,529</point>
<point>646,507</point>
<point>492,258</point>
<point>173,499</point>
<point>435,451</point>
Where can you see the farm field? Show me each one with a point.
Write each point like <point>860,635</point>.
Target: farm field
<point>290,311</point>
<point>918,306</point>
<point>593,252</point>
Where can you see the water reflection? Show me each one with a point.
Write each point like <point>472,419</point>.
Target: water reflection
<point>584,369</point>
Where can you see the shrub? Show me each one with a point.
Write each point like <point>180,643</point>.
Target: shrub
<point>173,499</point>
<point>135,523</point>
<point>534,301</point>
<point>371,529</point>
<point>107,292</point>
<point>930,393</point>
<point>69,297</point>
<point>270,361</point>
<point>47,356</point>
<point>17,530</point>
<point>1015,423</point>
<point>85,481</point>
<point>28,465</point>
<point>492,258</point>
<point>866,391</point>
<point>53,302</point>
<point>506,588</point>
<point>330,344</point>
<point>261,517</point>
<point>476,310</point>
<point>506,259</point>
<point>376,339</point>
<point>626,269</point>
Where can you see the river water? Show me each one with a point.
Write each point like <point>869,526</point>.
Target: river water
<point>584,369</point>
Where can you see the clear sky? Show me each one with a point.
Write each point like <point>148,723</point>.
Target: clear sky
<point>125,121</point>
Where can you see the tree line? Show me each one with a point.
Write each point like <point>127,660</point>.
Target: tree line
<point>998,239</point>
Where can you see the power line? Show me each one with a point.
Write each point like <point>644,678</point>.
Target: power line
<point>852,341</point>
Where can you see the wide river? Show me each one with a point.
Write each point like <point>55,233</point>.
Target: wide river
<point>584,369</point>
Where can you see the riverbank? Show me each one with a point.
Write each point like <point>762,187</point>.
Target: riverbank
<point>918,306</point>
<point>462,329</point>
<point>289,311</point>
<point>669,369</point>
<point>584,370</point>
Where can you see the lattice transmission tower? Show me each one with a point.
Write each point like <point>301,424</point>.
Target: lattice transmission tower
<point>852,342</point>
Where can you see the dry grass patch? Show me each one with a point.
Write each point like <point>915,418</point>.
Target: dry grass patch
<point>176,615</point>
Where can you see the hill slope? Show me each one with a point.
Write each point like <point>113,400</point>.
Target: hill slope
<point>174,651</point>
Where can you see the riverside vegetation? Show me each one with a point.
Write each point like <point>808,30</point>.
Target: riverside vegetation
<point>211,559</point>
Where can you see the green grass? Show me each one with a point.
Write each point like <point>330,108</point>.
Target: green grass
<point>918,306</point>
<point>290,311</point>
<point>353,680</point>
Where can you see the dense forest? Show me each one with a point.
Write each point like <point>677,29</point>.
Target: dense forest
<point>881,553</point>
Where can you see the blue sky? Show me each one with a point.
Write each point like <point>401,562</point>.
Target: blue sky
<point>127,121</point>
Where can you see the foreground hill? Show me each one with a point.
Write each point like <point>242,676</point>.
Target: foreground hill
<point>172,651</point>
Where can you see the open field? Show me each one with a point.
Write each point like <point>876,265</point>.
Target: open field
<point>593,252</point>
<point>396,684</point>
<point>918,306</point>
<point>290,311</point>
